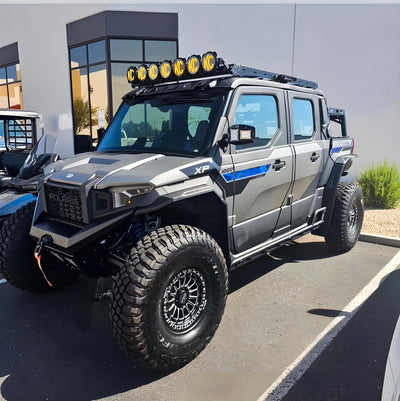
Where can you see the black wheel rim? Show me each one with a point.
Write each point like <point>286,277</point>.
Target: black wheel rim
<point>352,219</point>
<point>184,300</point>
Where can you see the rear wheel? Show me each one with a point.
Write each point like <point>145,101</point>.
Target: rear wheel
<point>169,297</point>
<point>17,262</point>
<point>347,218</point>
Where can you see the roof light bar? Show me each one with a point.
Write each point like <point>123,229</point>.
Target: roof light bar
<point>207,64</point>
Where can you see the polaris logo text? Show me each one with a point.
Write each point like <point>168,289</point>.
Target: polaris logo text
<point>63,199</point>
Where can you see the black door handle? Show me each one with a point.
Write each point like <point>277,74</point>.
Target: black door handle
<point>314,157</point>
<point>278,164</point>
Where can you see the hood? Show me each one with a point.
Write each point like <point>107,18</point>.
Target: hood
<point>118,169</point>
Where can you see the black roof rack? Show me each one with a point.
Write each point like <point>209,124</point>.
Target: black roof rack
<point>242,71</point>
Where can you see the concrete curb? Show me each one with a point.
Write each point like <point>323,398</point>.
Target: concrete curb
<point>380,239</point>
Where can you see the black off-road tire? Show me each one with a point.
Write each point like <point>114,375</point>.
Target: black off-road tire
<point>169,297</point>
<point>17,262</point>
<point>347,218</point>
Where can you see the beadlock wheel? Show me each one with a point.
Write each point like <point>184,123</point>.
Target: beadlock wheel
<point>184,300</point>
<point>169,297</point>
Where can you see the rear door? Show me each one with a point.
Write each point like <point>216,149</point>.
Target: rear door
<point>263,169</point>
<point>309,153</point>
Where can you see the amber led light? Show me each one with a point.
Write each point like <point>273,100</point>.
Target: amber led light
<point>153,72</point>
<point>165,69</point>
<point>209,61</point>
<point>179,67</point>
<point>193,65</point>
<point>131,74</point>
<point>142,73</point>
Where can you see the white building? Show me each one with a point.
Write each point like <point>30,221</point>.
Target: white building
<point>56,54</point>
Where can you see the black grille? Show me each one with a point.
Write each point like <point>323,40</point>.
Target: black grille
<point>64,203</point>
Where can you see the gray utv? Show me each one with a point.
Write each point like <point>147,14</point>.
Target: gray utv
<point>204,167</point>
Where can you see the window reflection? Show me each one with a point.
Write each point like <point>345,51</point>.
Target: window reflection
<point>89,77</point>
<point>12,73</point>
<point>11,87</point>
<point>126,49</point>
<point>78,56</point>
<point>3,77</point>
<point>303,119</point>
<point>120,85</point>
<point>97,52</point>
<point>261,112</point>
<point>15,96</point>
<point>98,97</point>
<point>80,95</point>
<point>156,50</point>
<point>3,97</point>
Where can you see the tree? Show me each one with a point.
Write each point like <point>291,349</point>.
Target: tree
<point>82,112</point>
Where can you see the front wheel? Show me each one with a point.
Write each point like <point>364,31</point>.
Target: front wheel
<point>347,218</point>
<point>169,297</point>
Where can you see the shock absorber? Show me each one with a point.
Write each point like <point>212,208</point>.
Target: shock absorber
<point>138,230</point>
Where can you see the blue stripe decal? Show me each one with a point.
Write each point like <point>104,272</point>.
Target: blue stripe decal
<point>14,205</point>
<point>247,173</point>
<point>336,150</point>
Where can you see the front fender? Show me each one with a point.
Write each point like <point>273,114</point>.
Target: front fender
<point>11,201</point>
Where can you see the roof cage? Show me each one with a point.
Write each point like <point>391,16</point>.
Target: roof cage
<point>242,71</point>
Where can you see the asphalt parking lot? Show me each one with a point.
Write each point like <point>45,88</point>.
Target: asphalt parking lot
<point>59,346</point>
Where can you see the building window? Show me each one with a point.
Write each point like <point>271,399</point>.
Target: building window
<point>89,87</point>
<point>95,97</point>
<point>127,52</point>
<point>10,87</point>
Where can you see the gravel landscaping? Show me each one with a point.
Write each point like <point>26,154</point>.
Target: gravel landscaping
<point>382,222</point>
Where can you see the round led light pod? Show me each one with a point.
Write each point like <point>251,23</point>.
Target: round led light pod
<point>131,74</point>
<point>209,61</point>
<point>165,69</point>
<point>179,67</point>
<point>142,73</point>
<point>153,72</point>
<point>193,64</point>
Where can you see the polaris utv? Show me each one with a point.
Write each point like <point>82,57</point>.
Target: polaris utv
<point>204,167</point>
<point>19,130</point>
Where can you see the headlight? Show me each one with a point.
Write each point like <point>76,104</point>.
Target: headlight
<point>123,196</point>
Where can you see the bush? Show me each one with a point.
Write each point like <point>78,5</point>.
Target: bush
<point>381,185</point>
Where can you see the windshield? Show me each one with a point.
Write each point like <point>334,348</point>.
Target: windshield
<point>43,154</point>
<point>182,124</point>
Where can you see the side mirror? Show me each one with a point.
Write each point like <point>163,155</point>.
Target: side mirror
<point>241,134</point>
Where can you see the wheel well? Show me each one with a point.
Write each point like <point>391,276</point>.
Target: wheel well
<point>207,212</point>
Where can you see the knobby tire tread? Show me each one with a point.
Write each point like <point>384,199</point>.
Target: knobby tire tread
<point>337,237</point>
<point>132,289</point>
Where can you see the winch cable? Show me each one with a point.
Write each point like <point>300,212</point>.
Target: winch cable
<point>46,239</point>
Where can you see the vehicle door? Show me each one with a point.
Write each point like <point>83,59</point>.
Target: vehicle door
<point>310,152</point>
<point>262,169</point>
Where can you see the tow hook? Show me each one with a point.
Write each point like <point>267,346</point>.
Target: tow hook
<point>45,240</point>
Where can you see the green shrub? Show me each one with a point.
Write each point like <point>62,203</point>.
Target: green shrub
<point>381,185</point>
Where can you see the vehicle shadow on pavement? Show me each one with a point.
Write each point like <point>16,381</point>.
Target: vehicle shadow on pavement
<point>252,271</point>
<point>291,252</point>
<point>297,251</point>
<point>60,346</point>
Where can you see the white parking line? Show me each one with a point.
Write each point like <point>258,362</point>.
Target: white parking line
<point>3,280</point>
<point>295,370</point>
